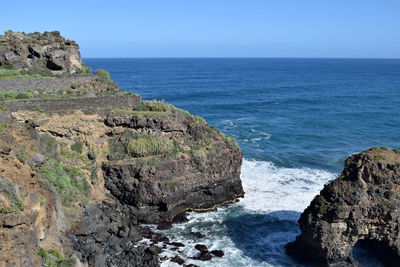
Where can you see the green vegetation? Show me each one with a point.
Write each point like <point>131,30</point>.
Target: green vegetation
<point>53,258</point>
<point>21,155</point>
<point>199,156</point>
<point>49,146</point>
<point>74,86</point>
<point>7,72</point>
<point>172,185</point>
<point>84,70</point>
<point>321,204</point>
<point>388,194</point>
<point>68,181</point>
<point>382,148</point>
<point>12,95</point>
<point>9,190</point>
<point>149,145</point>
<point>103,76</point>
<point>77,147</point>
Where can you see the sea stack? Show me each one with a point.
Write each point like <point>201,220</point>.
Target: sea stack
<point>361,205</point>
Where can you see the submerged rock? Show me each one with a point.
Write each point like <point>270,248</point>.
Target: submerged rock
<point>361,205</point>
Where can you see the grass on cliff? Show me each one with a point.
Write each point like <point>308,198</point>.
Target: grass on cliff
<point>9,191</point>
<point>103,76</point>
<point>149,145</point>
<point>33,72</point>
<point>69,181</point>
<point>53,258</point>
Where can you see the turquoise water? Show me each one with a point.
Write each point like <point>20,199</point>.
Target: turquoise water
<point>296,121</point>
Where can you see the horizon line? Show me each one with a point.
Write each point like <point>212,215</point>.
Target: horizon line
<point>387,58</point>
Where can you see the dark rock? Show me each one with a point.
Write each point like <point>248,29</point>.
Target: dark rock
<point>360,206</point>
<point>38,159</point>
<point>164,239</point>
<point>201,247</point>
<point>197,234</point>
<point>218,253</point>
<point>204,256</point>
<point>164,226</point>
<point>190,265</point>
<point>161,196</point>
<point>91,155</point>
<point>177,244</point>
<point>178,260</point>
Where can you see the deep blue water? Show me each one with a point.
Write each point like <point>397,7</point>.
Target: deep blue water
<point>307,112</point>
<point>296,121</point>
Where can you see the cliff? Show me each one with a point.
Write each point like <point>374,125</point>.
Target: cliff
<point>36,53</point>
<point>361,205</point>
<point>83,164</point>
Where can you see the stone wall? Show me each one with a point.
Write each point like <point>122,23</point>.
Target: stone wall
<point>47,84</point>
<point>62,104</point>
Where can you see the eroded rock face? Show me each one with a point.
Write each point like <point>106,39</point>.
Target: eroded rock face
<point>203,175</point>
<point>361,205</point>
<point>48,51</point>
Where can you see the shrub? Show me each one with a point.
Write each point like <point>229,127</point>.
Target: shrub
<point>25,95</point>
<point>4,95</point>
<point>149,145</point>
<point>199,157</point>
<point>84,70</point>
<point>49,146</point>
<point>74,86</point>
<point>6,73</point>
<point>158,106</point>
<point>383,148</point>
<point>67,180</point>
<point>77,147</point>
<point>9,190</point>
<point>102,75</point>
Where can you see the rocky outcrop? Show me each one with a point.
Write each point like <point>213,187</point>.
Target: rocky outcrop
<point>35,51</point>
<point>200,176</point>
<point>109,171</point>
<point>83,163</point>
<point>362,205</point>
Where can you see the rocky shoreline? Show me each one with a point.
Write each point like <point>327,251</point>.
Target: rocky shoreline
<point>83,164</point>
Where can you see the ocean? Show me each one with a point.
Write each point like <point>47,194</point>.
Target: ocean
<point>296,120</point>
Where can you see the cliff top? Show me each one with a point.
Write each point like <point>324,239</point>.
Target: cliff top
<point>43,53</point>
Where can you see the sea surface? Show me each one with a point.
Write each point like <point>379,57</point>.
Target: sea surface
<point>296,120</point>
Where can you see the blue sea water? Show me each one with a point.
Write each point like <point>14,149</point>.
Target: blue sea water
<point>296,121</point>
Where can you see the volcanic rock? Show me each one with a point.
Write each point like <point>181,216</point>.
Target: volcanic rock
<point>361,205</point>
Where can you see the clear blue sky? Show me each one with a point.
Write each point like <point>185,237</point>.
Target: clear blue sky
<point>216,28</point>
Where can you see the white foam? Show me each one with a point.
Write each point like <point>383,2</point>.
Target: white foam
<point>268,189</point>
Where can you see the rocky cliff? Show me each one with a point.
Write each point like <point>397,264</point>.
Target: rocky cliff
<point>40,53</point>
<point>82,167</point>
<point>362,205</point>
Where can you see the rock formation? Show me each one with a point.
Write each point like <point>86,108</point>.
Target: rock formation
<point>362,205</point>
<point>83,163</point>
<point>36,52</point>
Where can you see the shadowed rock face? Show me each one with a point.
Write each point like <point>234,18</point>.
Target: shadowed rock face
<point>48,51</point>
<point>361,205</point>
<point>163,186</point>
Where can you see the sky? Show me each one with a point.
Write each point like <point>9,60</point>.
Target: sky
<point>216,28</point>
